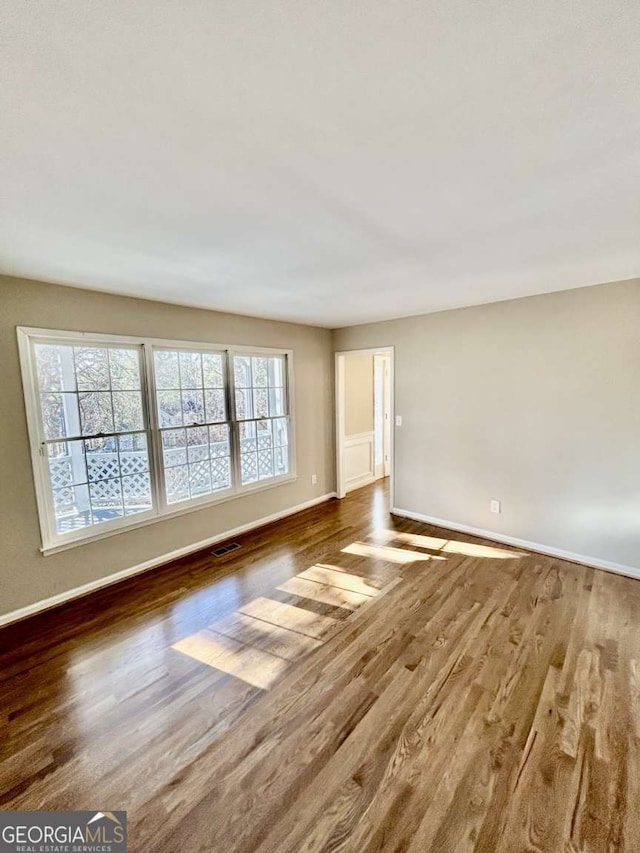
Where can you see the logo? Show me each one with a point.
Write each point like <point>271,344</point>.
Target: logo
<point>63,832</point>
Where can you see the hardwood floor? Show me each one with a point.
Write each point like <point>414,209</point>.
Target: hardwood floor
<point>345,681</point>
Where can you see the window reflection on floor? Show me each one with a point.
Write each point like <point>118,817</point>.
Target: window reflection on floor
<point>452,546</point>
<point>385,552</point>
<point>259,641</point>
<point>263,638</point>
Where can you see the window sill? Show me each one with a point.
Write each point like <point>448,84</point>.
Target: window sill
<point>165,516</point>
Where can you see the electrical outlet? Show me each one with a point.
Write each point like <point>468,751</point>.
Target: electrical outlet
<point>496,506</point>
<point>314,479</point>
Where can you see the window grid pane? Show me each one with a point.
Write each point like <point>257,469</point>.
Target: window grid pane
<point>192,416</point>
<point>259,386</point>
<point>97,480</point>
<point>197,461</point>
<point>190,388</point>
<point>95,391</point>
<point>261,410</point>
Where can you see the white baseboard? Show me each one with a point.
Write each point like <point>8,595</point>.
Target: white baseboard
<point>593,562</point>
<point>108,580</point>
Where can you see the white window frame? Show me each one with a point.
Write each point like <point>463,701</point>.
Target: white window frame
<point>51,540</point>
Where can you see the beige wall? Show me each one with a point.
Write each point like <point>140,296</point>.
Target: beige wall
<point>26,576</point>
<point>358,385</point>
<point>535,402</point>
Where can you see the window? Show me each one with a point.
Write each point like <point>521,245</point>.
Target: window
<point>191,396</point>
<point>261,412</point>
<point>124,431</point>
<point>93,439</point>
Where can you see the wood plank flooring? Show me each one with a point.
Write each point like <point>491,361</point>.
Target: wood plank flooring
<point>345,681</point>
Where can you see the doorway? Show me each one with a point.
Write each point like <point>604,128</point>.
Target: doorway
<point>364,418</point>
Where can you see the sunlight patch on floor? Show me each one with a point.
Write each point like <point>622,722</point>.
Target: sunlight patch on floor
<point>255,666</point>
<point>416,539</point>
<point>261,639</point>
<point>385,552</point>
<point>452,546</point>
<point>288,616</point>
<point>375,582</point>
<point>326,594</point>
<point>470,549</point>
<point>271,638</point>
<point>329,576</point>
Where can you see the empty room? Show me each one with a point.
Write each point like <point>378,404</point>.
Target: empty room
<point>320,426</point>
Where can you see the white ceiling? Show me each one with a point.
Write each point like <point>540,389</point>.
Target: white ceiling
<point>326,161</point>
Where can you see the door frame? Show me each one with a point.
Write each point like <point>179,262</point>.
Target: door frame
<point>383,359</point>
<point>340,414</point>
